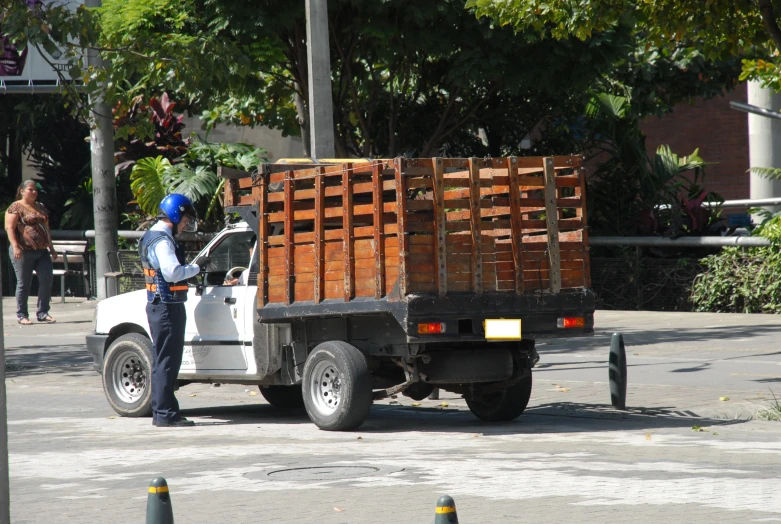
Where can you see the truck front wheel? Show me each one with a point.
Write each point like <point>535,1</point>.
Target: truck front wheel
<point>127,373</point>
<point>337,386</point>
<point>501,406</point>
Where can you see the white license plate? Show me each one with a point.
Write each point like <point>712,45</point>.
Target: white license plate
<point>503,329</point>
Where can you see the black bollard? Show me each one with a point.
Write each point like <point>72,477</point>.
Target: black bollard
<point>617,373</point>
<point>158,503</point>
<point>446,511</point>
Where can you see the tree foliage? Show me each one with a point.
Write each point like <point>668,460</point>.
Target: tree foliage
<point>718,30</point>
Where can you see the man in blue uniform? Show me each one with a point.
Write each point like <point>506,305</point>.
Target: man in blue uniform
<point>165,274</point>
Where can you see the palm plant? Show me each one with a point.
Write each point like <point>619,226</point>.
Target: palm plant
<point>194,175</point>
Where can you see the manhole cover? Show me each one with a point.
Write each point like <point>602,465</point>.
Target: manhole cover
<point>323,473</point>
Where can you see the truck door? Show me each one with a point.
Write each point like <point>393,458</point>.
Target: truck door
<point>215,334</point>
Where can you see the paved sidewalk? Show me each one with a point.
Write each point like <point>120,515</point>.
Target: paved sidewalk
<point>570,457</point>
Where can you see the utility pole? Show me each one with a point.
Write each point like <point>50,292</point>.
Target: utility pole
<point>318,51</point>
<point>5,492</point>
<point>104,185</point>
<point>764,142</point>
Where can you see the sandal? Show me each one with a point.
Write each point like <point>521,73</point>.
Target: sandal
<point>25,322</point>
<point>46,320</point>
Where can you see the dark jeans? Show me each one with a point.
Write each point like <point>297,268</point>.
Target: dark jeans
<point>41,261</point>
<point>166,322</point>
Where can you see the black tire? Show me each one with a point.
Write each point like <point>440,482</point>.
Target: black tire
<point>127,374</point>
<point>337,386</point>
<point>283,397</point>
<point>502,406</point>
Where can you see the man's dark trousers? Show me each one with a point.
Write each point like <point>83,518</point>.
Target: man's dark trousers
<point>166,321</point>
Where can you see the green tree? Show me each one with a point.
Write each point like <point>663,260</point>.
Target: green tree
<point>718,30</point>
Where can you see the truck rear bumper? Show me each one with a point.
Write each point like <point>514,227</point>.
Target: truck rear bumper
<point>462,313</point>
<point>96,346</point>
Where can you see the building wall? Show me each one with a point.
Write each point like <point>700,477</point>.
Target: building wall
<point>721,134</point>
<point>271,140</point>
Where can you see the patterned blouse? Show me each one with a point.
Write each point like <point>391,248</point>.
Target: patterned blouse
<point>31,230</point>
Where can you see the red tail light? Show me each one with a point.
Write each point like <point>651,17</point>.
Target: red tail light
<point>571,322</point>
<point>431,328</point>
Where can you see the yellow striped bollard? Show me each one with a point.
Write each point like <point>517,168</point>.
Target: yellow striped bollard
<point>158,503</point>
<point>446,511</point>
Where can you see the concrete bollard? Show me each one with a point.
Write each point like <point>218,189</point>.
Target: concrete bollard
<point>446,511</point>
<point>617,371</point>
<point>158,503</point>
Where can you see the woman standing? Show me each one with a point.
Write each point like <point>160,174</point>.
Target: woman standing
<point>27,225</point>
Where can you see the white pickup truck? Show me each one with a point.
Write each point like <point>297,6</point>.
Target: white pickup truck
<point>367,280</point>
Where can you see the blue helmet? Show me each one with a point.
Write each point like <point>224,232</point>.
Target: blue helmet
<point>175,206</point>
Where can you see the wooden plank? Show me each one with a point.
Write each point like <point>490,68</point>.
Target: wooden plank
<point>379,245</point>
<point>347,233</point>
<point>583,214</point>
<point>263,270</point>
<point>401,220</point>
<point>552,217</point>
<point>289,222</point>
<point>440,232</point>
<point>516,224</point>
<point>474,197</point>
<point>231,173</point>
<point>319,234</point>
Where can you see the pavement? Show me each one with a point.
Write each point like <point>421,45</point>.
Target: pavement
<point>689,447</point>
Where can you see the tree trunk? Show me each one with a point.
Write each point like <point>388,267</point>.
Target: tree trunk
<point>303,122</point>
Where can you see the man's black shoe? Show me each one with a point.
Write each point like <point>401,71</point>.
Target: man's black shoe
<point>180,422</point>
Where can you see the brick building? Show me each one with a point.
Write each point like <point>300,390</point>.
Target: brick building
<point>721,134</point>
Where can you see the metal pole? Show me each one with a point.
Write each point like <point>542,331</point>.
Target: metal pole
<point>318,52</point>
<point>104,186</point>
<point>5,494</point>
<point>764,142</point>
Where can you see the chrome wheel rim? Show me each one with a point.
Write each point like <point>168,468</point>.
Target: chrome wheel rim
<point>325,388</point>
<point>130,376</point>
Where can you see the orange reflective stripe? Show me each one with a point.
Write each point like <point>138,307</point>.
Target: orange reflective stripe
<point>149,272</point>
<point>178,288</point>
<point>151,287</point>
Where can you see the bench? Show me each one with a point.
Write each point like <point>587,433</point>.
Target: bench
<point>72,260</point>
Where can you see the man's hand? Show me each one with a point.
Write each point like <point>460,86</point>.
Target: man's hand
<point>202,262</point>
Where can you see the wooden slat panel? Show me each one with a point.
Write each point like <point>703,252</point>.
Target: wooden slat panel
<point>379,245</point>
<point>401,219</point>
<point>477,255</point>
<point>263,244</point>
<point>347,233</point>
<point>319,292</point>
<point>583,214</point>
<point>517,225</point>
<point>552,217</point>
<point>439,226</point>
<point>289,221</point>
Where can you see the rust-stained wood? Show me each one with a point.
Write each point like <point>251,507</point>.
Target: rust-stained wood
<point>230,192</point>
<point>379,245</point>
<point>289,223</point>
<point>474,196</point>
<point>439,225</point>
<point>582,213</point>
<point>319,234</point>
<point>516,224</point>
<point>401,218</point>
<point>262,244</point>
<point>347,233</point>
<point>552,217</point>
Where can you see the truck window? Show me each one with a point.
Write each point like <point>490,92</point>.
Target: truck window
<point>233,251</point>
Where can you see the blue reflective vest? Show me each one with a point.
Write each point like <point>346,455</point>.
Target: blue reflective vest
<point>157,287</point>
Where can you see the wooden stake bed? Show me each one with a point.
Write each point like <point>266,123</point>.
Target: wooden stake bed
<point>397,227</point>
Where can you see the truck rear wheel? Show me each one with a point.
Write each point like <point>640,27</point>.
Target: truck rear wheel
<point>127,374</point>
<point>502,406</point>
<point>337,386</point>
<point>283,397</point>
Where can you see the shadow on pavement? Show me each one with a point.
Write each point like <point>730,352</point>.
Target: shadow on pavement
<point>639,337</point>
<point>559,417</point>
<point>40,360</point>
